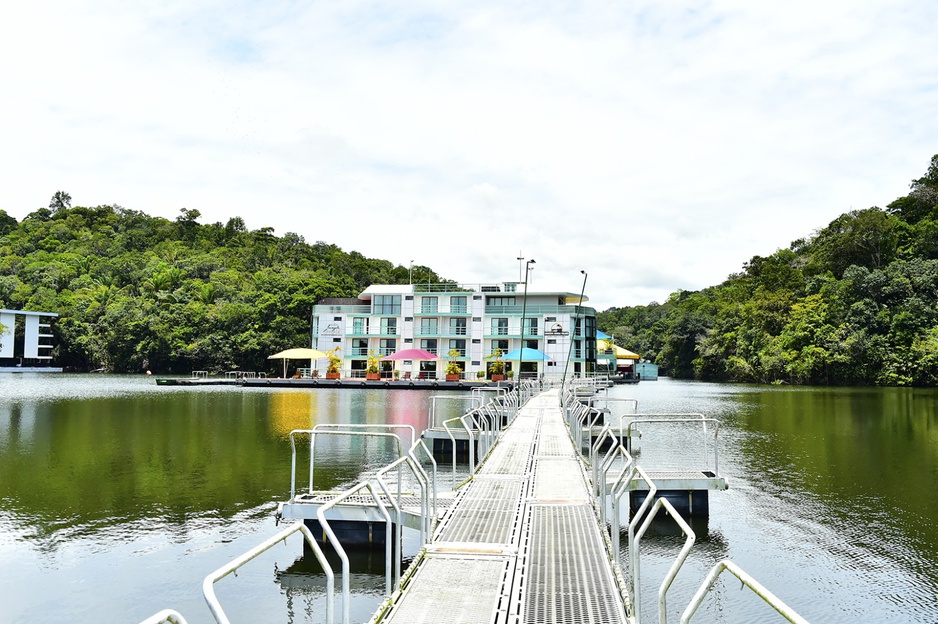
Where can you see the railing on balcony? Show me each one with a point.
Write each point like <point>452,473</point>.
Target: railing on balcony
<point>442,310</point>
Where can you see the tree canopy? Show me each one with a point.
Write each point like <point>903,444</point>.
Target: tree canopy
<point>854,303</point>
<point>136,292</point>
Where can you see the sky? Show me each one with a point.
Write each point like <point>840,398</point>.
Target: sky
<point>655,145</point>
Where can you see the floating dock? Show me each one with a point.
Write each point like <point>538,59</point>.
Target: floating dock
<point>527,538</point>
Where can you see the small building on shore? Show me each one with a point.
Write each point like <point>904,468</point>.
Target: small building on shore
<point>26,341</point>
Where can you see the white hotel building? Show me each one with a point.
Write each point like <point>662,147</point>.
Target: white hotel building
<point>472,319</point>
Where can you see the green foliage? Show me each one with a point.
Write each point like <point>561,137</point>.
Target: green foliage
<point>136,292</point>
<point>857,303</point>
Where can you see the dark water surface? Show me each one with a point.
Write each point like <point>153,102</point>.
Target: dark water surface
<point>117,498</point>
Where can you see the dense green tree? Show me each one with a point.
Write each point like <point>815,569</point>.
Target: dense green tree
<point>136,292</point>
<point>856,303</point>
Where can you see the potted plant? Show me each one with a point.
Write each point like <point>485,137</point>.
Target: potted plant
<point>373,372</point>
<point>480,375</point>
<point>510,374</point>
<point>497,367</point>
<point>332,369</point>
<point>453,370</point>
<point>397,374</point>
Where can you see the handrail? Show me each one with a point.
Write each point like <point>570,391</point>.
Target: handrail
<point>675,567</point>
<point>453,440</point>
<point>312,450</point>
<point>166,616</point>
<point>424,511</point>
<point>334,541</point>
<point>431,421</point>
<point>412,454</point>
<point>208,585</point>
<point>702,420</point>
<point>726,565</point>
<point>413,432</point>
<point>637,517</point>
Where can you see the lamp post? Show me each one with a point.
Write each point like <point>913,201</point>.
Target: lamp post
<point>524,307</point>
<point>576,315</point>
<point>520,260</point>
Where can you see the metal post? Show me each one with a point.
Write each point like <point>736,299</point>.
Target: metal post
<point>576,316</point>
<point>524,307</point>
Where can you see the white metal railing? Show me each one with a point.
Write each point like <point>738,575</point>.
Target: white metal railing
<point>692,419</point>
<point>690,538</point>
<point>208,585</point>
<point>166,616</point>
<point>325,430</point>
<point>334,542</point>
<point>728,566</point>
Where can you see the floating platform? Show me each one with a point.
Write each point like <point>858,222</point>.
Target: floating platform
<point>386,384</point>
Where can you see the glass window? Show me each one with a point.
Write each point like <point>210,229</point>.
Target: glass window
<point>499,326</point>
<point>388,346</point>
<point>500,344</point>
<point>459,345</point>
<point>359,325</point>
<point>457,326</point>
<point>388,326</point>
<point>428,305</point>
<point>501,301</point>
<point>429,344</point>
<point>458,305</point>
<point>360,346</point>
<point>386,304</point>
<point>429,326</point>
<point>531,344</point>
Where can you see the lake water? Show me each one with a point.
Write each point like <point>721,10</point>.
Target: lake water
<point>117,497</point>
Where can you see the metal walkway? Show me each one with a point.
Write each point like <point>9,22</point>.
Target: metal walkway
<point>526,540</point>
<point>521,544</point>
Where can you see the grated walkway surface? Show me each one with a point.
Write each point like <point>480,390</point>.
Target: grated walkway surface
<point>521,543</point>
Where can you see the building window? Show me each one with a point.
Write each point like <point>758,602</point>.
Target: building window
<point>387,346</point>
<point>336,318</point>
<point>428,305</point>
<point>552,341</point>
<point>429,344</point>
<point>500,344</point>
<point>530,326</point>
<point>386,304</point>
<point>459,345</point>
<point>501,301</point>
<point>530,344</point>
<point>457,327</point>
<point>408,319</point>
<point>429,326</point>
<point>499,326</point>
<point>389,326</point>
<point>458,305</point>
<point>360,346</point>
<point>476,341</point>
<point>359,325</point>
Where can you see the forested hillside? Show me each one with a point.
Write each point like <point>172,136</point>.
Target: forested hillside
<point>854,303</point>
<point>136,292</point>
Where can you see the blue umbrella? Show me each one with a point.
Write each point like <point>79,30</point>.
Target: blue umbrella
<point>527,354</point>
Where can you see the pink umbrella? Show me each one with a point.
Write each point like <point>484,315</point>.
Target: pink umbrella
<point>411,354</point>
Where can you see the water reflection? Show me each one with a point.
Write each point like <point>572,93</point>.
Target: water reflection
<point>118,497</point>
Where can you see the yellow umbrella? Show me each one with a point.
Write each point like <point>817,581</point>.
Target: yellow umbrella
<point>299,353</point>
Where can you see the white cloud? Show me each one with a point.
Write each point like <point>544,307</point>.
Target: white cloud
<point>657,146</point>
